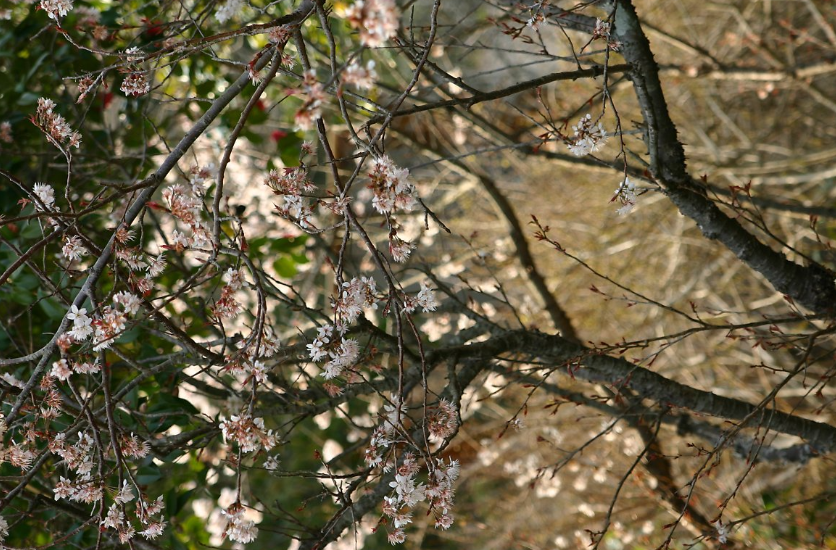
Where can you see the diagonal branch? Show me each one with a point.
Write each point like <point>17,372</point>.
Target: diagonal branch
<point>593,366</point>
<point>811,286</point>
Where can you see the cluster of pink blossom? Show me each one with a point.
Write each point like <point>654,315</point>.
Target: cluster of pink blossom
<point>399,248</point>
<point>82,324</point>
<point>406,496</point>
<point>318,348</point>
<point>391,186</point>
<point>185,204</point>
<point>115,517</point>
<point>46,196</point>
<point>62,370</point>
<point>198,178</point>
<point>104,328</point>
<point>54,124</point>
<point>359,76</point>
<point>376,20</point>
<point>589,137</point>
<point>108,327</point>
<point>248,362</point>
<point>358,293</point>
<point>131,256</point>
<point>78,457</point>
<point>227,306</point>
<point>601,30</point>
<point>265,346</point>
<point>73,250</point>
<point>182,203</point>
<point>343,353</point>
<point>135,84</point>
<point>290,184</point>
<point>425,299</point>
<point>238,529</point>
<point>342,356</point>
<point>19,456</point>
<point>290,181</point>
<point>131,446</point>
<point>250,370</point>
<point>279,34</point>
<point>91,18</point>
<point>311,109</point>
<point>440,491</point>
<point>85,86</point>
<point>52,401</point>
<point>248,433</point>
<point>56,9</point>
<point>385,433</point>
<point>86,491</point>
<point>443,421</point>
<point>87,16</point>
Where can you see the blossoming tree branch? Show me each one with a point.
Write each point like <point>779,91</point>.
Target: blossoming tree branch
<point>248,294</point>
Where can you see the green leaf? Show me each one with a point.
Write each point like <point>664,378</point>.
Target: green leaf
<point>52,310</point>
<point>148,474</point>
<point>287,245</point>
<point>31,230</point>
<point>289,148</point>
<point>163,402</point>
<point>285,266</point>
<point>173,455</point>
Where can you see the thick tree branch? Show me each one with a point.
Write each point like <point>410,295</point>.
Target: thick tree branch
<point>811,286</point>
<point>590,365</point>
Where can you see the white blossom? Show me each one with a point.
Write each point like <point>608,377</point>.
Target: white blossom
<point>56,9</point>
<point>588,138</point>
<point>135,84</point>
<point>376,20</point>
<point>46,194</point>
<point>238,529</point>
<point>82,324</point>
<point>392,189</point>
<point>128,301</point>
<point>234,278</point>
<point>359,76</point>
<point>73,249</point>
<point>54,124</point>
<point>61,370</point>
<point>154,530</point>
<point>125,495</point>
<point>722,531</point>
<point>626,194</point>
<point>228,10</point>
<point>114,518</point>
<point>156,266</point>
<point>248,433</point>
